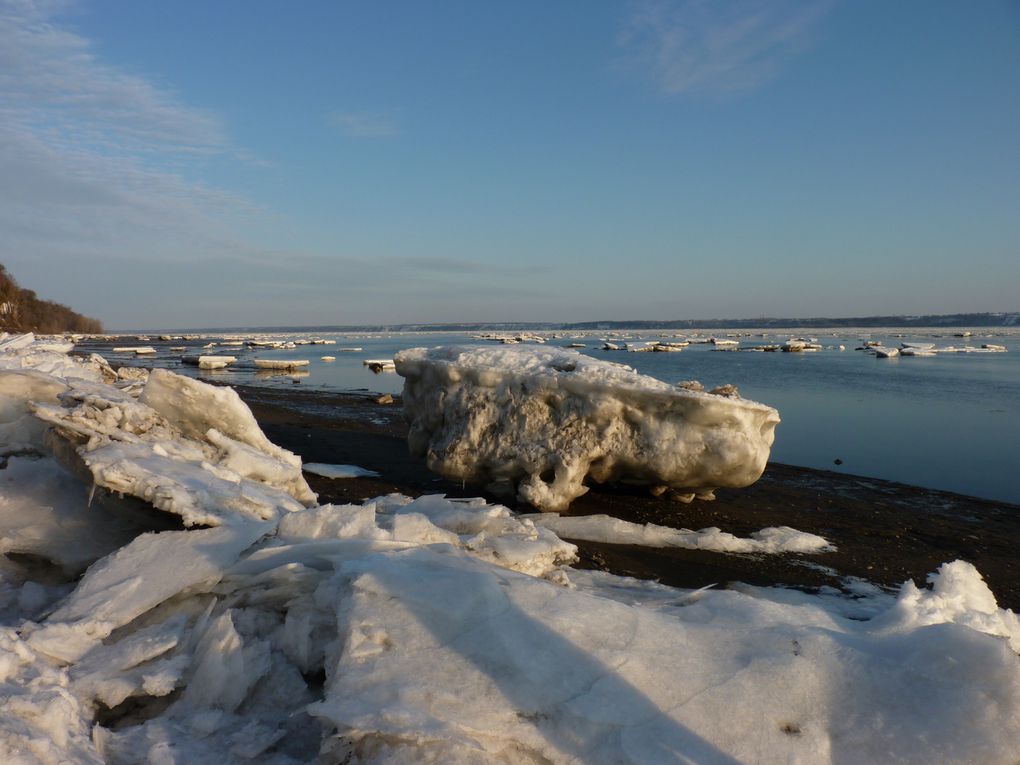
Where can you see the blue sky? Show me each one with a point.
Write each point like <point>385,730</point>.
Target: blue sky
<point>235,163</point>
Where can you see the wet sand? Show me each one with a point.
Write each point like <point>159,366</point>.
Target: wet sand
<point>885,532</point>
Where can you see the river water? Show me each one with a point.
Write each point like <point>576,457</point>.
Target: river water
<point>949,422</point>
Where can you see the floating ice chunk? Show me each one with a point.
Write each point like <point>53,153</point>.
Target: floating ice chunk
<point>138,350</point>
<point>338,471</point>
<point>209,362</point>
<point>550,418</point>
<point>603,528</point>
<point>281,363</point>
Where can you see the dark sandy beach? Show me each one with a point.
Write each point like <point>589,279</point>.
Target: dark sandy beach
<point>885,532</point>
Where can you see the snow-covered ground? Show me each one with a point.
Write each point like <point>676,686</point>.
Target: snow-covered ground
<point>242,622</point>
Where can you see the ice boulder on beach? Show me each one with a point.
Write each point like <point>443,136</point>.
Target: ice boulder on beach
<point>548,419</point>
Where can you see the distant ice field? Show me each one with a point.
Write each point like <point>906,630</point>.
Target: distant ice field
<point>949,421</point>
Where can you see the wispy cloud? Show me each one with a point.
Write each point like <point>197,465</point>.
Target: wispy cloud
<point>50,78</point>
<point>364,124</point>
<point>299,265</point>
<point>718,45</point>
<point>97,167</point>
<point>99,206</point>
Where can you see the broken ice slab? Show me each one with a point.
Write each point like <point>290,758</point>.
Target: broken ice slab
<point>185,447</point>
<point>548,420</point>
<point>142,350</point>
<point>208,361</point>
<point>281,363</point>
<point>338,471</point>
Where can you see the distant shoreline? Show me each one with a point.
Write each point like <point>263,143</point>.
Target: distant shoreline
<point>1002,320</point>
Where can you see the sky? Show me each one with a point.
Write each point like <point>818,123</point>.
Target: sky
<point>254,163</point>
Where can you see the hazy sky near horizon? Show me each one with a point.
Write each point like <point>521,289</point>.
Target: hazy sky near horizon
<point>249,162</point>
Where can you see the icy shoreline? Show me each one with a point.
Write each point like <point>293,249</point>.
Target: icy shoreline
<point>425,630</point>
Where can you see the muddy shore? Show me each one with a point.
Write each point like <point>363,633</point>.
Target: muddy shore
<point>885,532</point>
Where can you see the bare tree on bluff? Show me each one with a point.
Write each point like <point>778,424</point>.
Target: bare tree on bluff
<point>21,310</point>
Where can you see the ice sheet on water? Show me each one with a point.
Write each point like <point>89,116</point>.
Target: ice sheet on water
<point>338,471</point>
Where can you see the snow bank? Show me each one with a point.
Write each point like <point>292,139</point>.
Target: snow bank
<point>431,652</point>
<point>603,528</point>
<point>547,419</point>
<point>433,629</point>
<point>443,661</point>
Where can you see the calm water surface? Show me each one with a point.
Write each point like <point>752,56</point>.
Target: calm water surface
<point>950,421</point>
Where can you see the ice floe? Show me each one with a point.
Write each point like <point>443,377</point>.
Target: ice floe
<point>281,363</point>
<point>428,630</point>
<point>547,419</point>
<point>337,471</point>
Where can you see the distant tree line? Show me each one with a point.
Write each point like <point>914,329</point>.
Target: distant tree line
<point>22,310</point>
